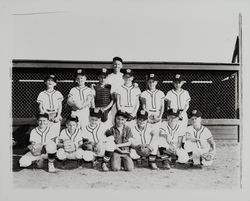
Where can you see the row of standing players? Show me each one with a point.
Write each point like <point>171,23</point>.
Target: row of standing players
<point>112,118</point>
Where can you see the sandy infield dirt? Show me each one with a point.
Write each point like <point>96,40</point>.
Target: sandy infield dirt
<point>223,174</point>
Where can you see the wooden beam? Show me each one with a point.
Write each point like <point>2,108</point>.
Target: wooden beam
<point>130,64</point>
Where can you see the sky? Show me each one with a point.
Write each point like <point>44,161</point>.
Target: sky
<point>191,31</point>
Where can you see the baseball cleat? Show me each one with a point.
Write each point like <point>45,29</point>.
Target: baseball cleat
<point>104,167</point>
<point>51,168</point>
<point>153,166</point>
<point>40,163</point>
<point>166,165</point>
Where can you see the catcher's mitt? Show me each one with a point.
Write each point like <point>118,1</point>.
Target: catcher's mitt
<point>143,150</point>
<point>69,146</point>
<point>36,149</point>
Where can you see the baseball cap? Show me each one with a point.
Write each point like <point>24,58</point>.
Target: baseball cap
<point>103,72</point>
<point>195,113</point>
<point>50,77</point>
<point>118,59</point>
<point>44,115</point>
<point>80,72</point>
<point>152,76</point>
<point>128,73</point>
<point>121,113</point>
<point>173,112</point>
<point>95,113</point>
<point>142,114</point>
<point>72,118</point>
<point>178,78</point>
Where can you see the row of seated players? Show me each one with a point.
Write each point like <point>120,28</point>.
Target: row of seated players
<point>122,143</point>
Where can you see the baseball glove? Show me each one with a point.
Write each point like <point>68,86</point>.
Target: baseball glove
<point>143,150</point>
<point>69,146</point>
<point>36,149</point>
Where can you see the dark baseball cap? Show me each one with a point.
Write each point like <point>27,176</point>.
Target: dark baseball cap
<point>95,113</point>
<point>178,78</point>
<point>173,112</point>
<point>80,72</point>
<point>50,77</point>
<point>103,72</point>
<point>121,113</point>
<point>195,113</point>
<point>118,59</point>
<point>142,114</point>
<point>42,115</point>
<point>72,118</point>
<point>152,76</point>
<point>128,73</point>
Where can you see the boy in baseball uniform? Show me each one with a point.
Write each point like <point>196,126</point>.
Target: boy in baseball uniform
<point>144,135</point>
<point>115,79</point>
<point>171,136</point>
<point>50,102</point>
<point>96,144</point>
<point>199,141</point>
<point>70,141</point>
<point>179,99</point>
<point>80,98</point>
<point>43,140</point>
<point>103,97</point>
<point>153,100</point>
<point>128,96</point>
<point>122,137</point>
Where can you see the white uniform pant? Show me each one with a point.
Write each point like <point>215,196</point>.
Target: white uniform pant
<point>197,153</point>
<point>63,155</point>
<point>27,159</point>
<point>107,145</point>
<point>83,116</point>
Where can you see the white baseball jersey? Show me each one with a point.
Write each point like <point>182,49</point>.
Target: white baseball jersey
<point>128,97</point>
<point>95,134</point>
<point>178,100</point>
<point>115,80</point>
<point>75,137</point>
<point>42,137</point>
<point>50,100</point>
<point>153,100</point>
<point>203,134</point>
<point>80,94</point>
<point>172,134</point>
<point>142,136</point>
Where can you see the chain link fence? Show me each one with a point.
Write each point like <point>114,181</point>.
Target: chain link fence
<point>213,92</point>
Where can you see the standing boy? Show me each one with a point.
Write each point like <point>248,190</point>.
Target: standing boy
<point>128,96</point>
<point>153,100</point>
<point>43,144</point>
<point>50,102</point>
<point>145,140</point>
<point>70,141</point>
<point>199,141</point>
<point>80,97</point>
<point>122,136</point>
<point>170,139</point>
<point>178,99</point>
<point>103,97</point>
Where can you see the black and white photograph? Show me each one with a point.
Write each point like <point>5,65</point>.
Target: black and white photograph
<point>125,96</point>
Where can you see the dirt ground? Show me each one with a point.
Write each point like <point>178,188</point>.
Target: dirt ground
<point>223,174</point>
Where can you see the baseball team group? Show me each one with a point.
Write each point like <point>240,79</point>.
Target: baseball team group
<point>112,121</point>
